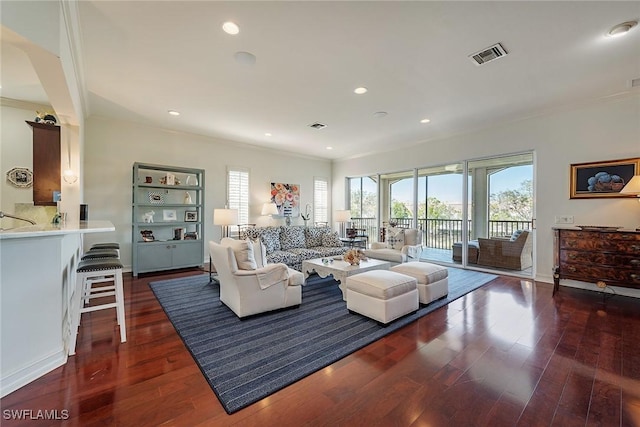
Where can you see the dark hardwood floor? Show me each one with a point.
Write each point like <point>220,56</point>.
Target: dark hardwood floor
<point>508,354</point>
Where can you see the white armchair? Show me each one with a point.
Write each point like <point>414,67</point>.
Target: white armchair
<point>248,292</point>
<point>402,245</point>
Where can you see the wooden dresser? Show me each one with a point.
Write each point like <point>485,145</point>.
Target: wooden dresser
<point>612,257</point>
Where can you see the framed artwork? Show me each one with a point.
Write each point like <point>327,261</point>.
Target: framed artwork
<point>191,216</point>
<point>156,198</point>
<point>602,179</point>
<point>287,199</point>
<point>20,177</point>
<point>169,215</point>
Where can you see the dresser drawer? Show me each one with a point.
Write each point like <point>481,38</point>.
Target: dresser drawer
<point>610,275</point>
<point>612,242</point>
<point>600,258</point>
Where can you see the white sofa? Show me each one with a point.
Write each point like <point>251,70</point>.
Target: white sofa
<point>401,245</point>
<point>248,287</point>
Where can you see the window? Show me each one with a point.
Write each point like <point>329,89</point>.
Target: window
<point>238,192</point>
<point>320,200</point>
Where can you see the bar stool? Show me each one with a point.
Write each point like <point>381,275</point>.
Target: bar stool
<point>100,253</point>
<point>101,270</point>
<point>105,246</point>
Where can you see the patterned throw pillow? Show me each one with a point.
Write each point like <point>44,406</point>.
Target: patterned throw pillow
<point>331,240</point>
<point>270,237</point>
<point>292,237</point>
<point>515,235</point>
<point>395,238</point>
<point>313,236</point>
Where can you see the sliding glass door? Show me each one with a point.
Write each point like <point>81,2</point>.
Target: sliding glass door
<point>501,220</point>
<point>363,203</point>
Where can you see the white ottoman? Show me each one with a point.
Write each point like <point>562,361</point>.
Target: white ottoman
<point>382,295</point>
<point>433,280</point>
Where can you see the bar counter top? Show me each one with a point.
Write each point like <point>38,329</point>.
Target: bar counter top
<point>70,227</point>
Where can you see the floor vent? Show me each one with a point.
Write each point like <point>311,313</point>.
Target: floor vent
<point>489,54</point>
<point>317,125</point>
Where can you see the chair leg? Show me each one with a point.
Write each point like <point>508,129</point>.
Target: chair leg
<point>120,306</point>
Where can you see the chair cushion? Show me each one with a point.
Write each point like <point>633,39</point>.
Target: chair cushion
<point>292,237</point>
<point>331,239</point>
<point>313,236</point>
<point>381,284</point>
<point>386,254</point>
<point>395,238</point>
<point>243,250</point>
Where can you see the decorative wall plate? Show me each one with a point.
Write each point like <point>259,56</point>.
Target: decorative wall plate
<point>20,177</point>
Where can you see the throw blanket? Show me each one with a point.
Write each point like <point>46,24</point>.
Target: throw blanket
<point>272,274</point>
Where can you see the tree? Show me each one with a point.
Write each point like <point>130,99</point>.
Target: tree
<point>400,210</point>
<point>513,205</point>
<point>369,204</point>
<point>436,209</point>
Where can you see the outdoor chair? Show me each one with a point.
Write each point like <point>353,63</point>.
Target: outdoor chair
<point>514,253</point>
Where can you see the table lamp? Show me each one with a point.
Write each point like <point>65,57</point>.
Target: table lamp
<point>225,218</point>
<point>342,217</point>
<point>632,188</point>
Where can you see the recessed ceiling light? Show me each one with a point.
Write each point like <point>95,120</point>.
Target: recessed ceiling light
<point>380,114</point>
<point>173,112</point>
<point>360,90</point>
<point>329,148</point>
<point>267,134</point>
<point>230,28</point>
<point>622,29</point>
<point>425,121</point>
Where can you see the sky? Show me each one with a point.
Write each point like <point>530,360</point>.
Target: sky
<point>448,188</point>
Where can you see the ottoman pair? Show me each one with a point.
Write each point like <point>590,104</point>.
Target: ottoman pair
<point>386,295</point>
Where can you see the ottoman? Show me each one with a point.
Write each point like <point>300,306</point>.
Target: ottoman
<point>433,280</point>
<point>382,295</point>
<point>472,251</point>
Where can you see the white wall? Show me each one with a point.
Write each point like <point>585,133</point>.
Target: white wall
<point>111,148</point>
<point>16,150</point>
<point>603,130</point>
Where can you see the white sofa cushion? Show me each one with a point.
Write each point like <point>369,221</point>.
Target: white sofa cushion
<point>243,251</point>
<point>381,284</point>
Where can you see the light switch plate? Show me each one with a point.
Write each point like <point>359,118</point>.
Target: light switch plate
<point>564,219</point>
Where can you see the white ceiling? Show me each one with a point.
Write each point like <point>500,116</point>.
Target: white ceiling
<point>142,58</point>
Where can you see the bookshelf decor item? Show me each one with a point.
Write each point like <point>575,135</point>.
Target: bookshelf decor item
<point>176,240</point>
<point>191,216</point>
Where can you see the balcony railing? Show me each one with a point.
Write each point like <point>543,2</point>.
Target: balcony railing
<point>442,233</point>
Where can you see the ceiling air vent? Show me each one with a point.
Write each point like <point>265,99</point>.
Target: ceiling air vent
<point>635,82</point>
<point>317,125</point>
<point>489,54</point>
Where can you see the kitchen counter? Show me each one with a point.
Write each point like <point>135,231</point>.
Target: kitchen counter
<point>37,281</point>
<point>42,230</point>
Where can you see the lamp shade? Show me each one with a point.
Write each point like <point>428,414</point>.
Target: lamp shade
<point>632,187</point>
<point>225,216</point>
<point>269,209</point>
<point>343,216</point>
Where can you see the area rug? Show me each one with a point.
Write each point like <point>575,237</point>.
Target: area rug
<point>247,360</point>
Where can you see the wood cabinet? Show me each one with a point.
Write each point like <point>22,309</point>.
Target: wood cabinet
<point>611,257</point>
<point>46,163</point>
<point>168,204</point>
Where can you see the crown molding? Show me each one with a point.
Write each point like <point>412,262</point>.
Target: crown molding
<point>23,105</point>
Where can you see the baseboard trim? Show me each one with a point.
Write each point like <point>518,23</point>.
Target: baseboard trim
<point>22,377</point>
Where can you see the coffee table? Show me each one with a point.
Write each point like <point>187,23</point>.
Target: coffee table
<point>340,269</point>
